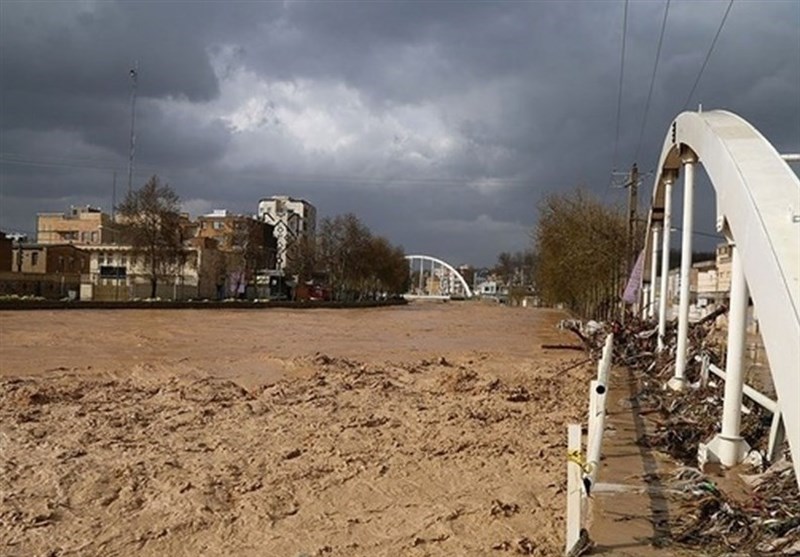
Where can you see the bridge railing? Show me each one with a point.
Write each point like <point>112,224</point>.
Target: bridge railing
<point>776,431</point>
<point>582,470</point>
<point>756,196</point>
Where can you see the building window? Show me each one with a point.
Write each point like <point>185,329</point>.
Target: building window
<point>94,236</point>
<point>217,225</point>
<point>34,259</point>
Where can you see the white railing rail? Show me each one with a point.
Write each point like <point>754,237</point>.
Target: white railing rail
<point>582,471</point>
<point>776,431</point>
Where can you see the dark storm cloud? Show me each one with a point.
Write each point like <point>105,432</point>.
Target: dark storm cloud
<point>441,124</point>
<point>81,52</point>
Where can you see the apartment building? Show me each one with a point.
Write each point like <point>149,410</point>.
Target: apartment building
<point>43,259</point>
<point>234,232</point>
<point>81,225</point>
<point>291,219</point>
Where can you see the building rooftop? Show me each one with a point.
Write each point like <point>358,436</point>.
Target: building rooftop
<point>218,213</point>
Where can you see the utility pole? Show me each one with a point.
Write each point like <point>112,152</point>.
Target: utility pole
<point>633,213</point>
<point>632,183</point>
<point>134,73</point>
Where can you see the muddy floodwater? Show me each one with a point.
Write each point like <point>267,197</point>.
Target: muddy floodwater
<point>428,429</point>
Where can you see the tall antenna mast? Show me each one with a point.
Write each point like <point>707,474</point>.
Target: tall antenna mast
<point>134,73</point>
<point>114,195</point>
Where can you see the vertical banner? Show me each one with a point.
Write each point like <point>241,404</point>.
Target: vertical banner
<point>631,294</point>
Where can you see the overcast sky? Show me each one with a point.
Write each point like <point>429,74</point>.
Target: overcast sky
<point>441,124</point>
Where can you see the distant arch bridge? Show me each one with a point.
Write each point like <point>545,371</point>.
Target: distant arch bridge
<point>432,278</point>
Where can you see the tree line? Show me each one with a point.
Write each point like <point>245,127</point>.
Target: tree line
<point>356,264</point>
<point>344,254</point>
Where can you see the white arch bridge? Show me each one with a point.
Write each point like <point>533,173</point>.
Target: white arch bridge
<point>432,278</point>
<point>758,211</point>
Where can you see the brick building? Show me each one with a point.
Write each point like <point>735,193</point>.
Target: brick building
<point>49,259</point>
<point>81,226</point>
<point>248,248</point>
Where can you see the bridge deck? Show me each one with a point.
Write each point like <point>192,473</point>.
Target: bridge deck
<point>628,512</point>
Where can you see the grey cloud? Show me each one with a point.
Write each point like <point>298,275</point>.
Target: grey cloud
<point>526,93</point>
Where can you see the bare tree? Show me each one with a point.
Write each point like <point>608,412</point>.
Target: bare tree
<point>581,247</point>
<point>358,264</point>
<point>302,260</point>
<point>150,223</point>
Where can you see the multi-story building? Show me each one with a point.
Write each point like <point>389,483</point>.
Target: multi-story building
<point>248,248</point>
<point>222,226</point>
<point>81,226</point>
<point>51,271</point>
<point>724,268</point>
<point>49,259</point>
<point>237,232</point>
<point>117,272</point>
<point>291,219</point>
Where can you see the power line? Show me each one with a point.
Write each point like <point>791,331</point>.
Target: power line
<point>142,170</point>
<point>708,55</point>
<point>652,82</point>
<point>621,75</point>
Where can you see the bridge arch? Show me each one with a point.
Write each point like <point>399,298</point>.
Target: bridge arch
<point>758,210</point>
<point>450,271</point>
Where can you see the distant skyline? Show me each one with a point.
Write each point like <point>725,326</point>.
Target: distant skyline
<point>440,124</point>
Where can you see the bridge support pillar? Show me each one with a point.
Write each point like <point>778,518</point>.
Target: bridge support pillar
<point>651,306</point>
<point>728,446</point>
<point>669,179</point>
<point>678,381</point>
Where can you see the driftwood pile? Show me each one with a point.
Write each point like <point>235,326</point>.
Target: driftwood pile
<point>763,521</point>
<point>766,522</point>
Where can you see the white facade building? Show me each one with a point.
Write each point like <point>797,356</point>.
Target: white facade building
<point>292,218</point>
<point>117,274</point>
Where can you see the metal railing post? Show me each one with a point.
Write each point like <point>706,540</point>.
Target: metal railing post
<point>597,406</point>
<point>574,488</point>
<point>594,450</point>
<point>604,366</point>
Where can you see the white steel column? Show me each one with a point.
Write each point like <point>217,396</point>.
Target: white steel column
<point>651,307</point>
<point>729,445</point>
<point>669,179</point>
<point>678,381</point>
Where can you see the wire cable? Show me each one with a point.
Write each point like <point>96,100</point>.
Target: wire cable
<point>621,76</point>
<point>652,82</point>
<point>18,159</point>
<point>708,55</point>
